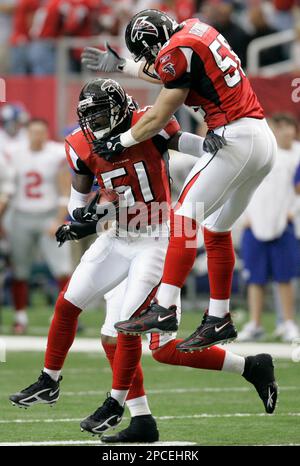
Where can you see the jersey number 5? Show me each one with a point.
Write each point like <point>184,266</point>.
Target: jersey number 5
<point>230,62</point>
<point>143,179</point>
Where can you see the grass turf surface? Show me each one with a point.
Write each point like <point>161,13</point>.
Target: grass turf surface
<point>204,407</point>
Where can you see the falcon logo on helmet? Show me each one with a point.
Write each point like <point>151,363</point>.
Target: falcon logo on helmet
<point>110,86</point>
<point>143,27</point>
<point>146,34</point>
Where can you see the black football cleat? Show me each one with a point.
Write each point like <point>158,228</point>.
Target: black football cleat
<point>259,370</point>
<point>155,319</point>
<point>212,331</point>
<point>45,390</point>
<point>105,417</point>
<point>142,429</point>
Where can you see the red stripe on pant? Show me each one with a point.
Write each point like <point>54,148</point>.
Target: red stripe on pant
<point>186,190</point>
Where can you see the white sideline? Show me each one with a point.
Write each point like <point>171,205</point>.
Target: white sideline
<point>159,418</point>
<point>92,345</point>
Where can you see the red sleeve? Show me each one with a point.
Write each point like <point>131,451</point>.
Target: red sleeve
<point>171,67</point>
<point>71,160</point>
<point>75,162</point>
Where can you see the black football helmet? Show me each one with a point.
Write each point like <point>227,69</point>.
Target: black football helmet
<point>103,106</point>
<point>146,33</point>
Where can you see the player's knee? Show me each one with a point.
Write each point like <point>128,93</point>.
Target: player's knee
<point>107,340</point>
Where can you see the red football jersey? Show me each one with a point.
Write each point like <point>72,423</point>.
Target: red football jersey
<point>199,58</point>
<point>140,173</point>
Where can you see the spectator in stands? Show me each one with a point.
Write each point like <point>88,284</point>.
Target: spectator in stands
<point>233,33</point>
<point>269,243</point>
<point>261,28</point>
<point>284,14</point>
<point>7,8</point>
<point>42,183</point>
<point>20,36</point>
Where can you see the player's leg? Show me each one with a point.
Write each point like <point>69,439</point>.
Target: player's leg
<point>142,427</point>
<point>258,370</point>
<point>23,245</point>
<point>142,283</point>
<point>219,328</point>
<point>100,269</point>
<point>248,154</point>
<point>147,259</point>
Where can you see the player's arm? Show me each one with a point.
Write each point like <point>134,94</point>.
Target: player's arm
<point>109,61</point>
<point>156,118</point>
<point>192,144</point>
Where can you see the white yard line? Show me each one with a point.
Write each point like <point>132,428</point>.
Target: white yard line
<point>178,391</point>
<point>97,443</point>
<point>159,418</point>
<point>92,345</point>
<point>183,391</point>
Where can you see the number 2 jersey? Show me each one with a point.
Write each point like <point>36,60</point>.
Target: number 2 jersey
<point>197,57</point>
<point>140,173</point>
<point>36,175</point>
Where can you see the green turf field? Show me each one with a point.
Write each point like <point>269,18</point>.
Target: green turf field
<point>203,407</point>
<point>195,406</point>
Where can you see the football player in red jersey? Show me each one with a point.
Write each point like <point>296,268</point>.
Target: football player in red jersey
<point>137,252</point>
<point>197,67</point>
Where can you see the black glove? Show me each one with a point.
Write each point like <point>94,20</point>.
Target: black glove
<point>108,148</point>
<point>213,142</point>
<point>87,213</point>
<point>74,231</point>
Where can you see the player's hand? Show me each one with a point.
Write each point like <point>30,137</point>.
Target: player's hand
<point>87,214</point>
<point>97,60</point>
<point>108,148</point>
<point>213,142</point>
<point>74,231</point>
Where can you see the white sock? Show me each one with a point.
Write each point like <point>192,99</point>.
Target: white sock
<point>53,374</point>
<point>168,295</point>
<point>119,395</point>
<point>218,307</point>
<point>21,317</point>
<point>138,406</point>
<point>233,363</point>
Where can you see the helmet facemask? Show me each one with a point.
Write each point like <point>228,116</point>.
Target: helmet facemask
<point>99,118</point>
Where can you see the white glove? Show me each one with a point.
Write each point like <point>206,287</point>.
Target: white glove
<point>97,60</point>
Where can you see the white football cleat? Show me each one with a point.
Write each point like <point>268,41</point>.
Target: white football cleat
<point>291,331</point>
<point>250,332</point>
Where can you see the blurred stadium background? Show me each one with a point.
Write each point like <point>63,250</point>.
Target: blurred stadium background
<point>40,46</point>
